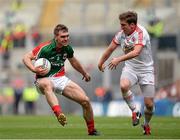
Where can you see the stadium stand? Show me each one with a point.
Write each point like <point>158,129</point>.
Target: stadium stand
<point>50,15</point>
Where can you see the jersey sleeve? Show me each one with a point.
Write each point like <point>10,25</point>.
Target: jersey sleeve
<point>38,48</point>
<point>70,52</point>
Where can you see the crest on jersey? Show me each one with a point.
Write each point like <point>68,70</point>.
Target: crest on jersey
<point>64,56</point>
<point>128,46</point>
<point>133,39</point>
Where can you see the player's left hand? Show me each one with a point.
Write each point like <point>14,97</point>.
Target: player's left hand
<point>86,77</point>
<point>40,71</point>
<point>114,62</point>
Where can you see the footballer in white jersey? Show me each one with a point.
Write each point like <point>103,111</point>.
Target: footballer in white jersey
<point>140,36</point>
<point>135,42</point>
<point>142,65</point>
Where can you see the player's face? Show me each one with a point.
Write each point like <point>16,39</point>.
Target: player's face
<point>62,38</point>
<point>127,28</point>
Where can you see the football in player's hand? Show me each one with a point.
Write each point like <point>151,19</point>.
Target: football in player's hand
<point>44,63</point>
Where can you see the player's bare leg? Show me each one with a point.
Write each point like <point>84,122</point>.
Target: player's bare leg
<point>129,98</point>
<point>75,92</point>
<point>46,88</point>
<point>148,92</point>
<point>148,112</point>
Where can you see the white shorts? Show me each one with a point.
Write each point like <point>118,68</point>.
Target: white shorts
<point>142,77</point>
<point>59,83</point>
<point>145,80</point>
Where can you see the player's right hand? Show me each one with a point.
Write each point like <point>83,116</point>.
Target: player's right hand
<point>86,77</point>
<point>101,67</point>
<point>40,71</point>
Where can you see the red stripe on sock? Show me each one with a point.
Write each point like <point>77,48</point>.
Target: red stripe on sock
<point>90,125</point>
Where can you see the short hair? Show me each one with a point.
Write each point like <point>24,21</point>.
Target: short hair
<point>129,17</point>
<point>60,27</point>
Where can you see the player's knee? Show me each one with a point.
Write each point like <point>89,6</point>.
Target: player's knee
<point>149,105</point>
<point>149,109</point>
<point>124,86</point>
<point>44,84</point>
<point>85,103</point>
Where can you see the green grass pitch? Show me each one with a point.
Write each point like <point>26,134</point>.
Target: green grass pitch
<point>47,127</point>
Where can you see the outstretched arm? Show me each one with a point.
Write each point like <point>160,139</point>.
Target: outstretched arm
<point>77,66</point>
<point>106,55</point>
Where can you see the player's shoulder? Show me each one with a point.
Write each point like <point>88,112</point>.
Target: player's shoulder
<point>119,33</point>
<point>68,48</point>
<point>41,47</point>
<point>140,28</point>
<point>44,44</point>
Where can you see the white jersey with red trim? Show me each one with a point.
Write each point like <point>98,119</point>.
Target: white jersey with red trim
<point>139,37</point>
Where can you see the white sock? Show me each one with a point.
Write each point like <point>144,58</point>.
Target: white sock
<point>129,98</point>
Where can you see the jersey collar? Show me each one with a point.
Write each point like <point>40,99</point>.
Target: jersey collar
<point>54,43</point>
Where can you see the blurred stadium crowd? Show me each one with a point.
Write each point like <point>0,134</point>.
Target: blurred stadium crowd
<point>92,24</point>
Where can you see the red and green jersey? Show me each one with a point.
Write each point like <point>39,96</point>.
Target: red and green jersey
<point>55,56</point>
